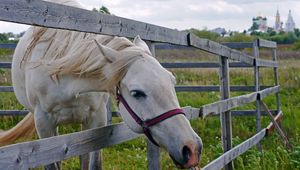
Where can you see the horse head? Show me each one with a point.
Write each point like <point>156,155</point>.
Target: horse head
<point>149,105</point>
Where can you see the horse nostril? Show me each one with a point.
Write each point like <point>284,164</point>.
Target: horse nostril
<point>186,153</point>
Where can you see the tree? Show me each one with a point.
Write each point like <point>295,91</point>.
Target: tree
<point>3,38</point>
<point>297,32</point>
<point>254,27</point>
<point>103,10</point>
<point>205,34</point>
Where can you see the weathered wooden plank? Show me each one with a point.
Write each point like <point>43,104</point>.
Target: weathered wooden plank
<point>238,45</point>
<point>6,89</point>
<point>225,117</point>
<point>204,65</point>
<point>191,113</point>
<point>228,104</point>
<point>216,88</point>
<point>264,93</point>
<point>266,44</point>
<point>265,63</point>
<point>175,65</point>
<point>190,65</point>
<point>271,126</point>
<point>249,113</point>
<point>46,14</point>
<point>49,150</point>
<point>257,88</point>
<point>8,46</point>
<point>218,49</point>
<point>5,65</point>
<point>276,79</point>
<point>164,46</point>
<point>153,156</point>
<point>277,127</point>
<point>13,112</point>
<point>221,161</point>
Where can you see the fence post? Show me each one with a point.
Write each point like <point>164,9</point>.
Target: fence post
<point>153,155</point>
<point>109,111</point>
<point>257,88</point>
<point>276,79</point>
<point>226,116</point>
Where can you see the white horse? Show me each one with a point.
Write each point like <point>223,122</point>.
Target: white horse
<point>65,76</point>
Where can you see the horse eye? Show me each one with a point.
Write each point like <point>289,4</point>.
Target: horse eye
<point>137,94</point>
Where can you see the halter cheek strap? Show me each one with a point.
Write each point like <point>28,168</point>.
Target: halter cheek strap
<point>145,124</point>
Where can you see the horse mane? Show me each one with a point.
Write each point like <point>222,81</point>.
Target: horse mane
<point>77,54</point>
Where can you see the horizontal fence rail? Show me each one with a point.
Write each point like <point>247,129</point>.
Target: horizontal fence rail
<point>52,15</point>
<point>8,46</point>
<point>230,155</point>
<point>45,151</point>
<point>228,104</point>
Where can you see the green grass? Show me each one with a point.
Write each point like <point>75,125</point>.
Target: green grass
<point>132,155</point>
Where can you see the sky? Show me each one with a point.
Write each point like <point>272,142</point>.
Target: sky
<point>235,15</point>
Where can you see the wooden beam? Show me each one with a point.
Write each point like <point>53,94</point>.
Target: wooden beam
<point>47,14</point>
<point>264,93</point>
<point>266,63</point>
<point>6,89</point>
<point>276,79</point>
<point>277,127</point>
<point>13,112</point>
<point>204,65</point>
<point>228,104</point>
<point>221,161</point>
<point>225,117</point>
<point>218,49</point>
<point>5,65</point>
<point>49,150</point>
<point>238,45</point>
<point>250,113</point>
<point>271,126</point>
<point>191,113</point>
<point>266,44</point>
<point>8,46</point>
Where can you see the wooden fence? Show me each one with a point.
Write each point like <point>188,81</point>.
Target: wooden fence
<point>41,152</point>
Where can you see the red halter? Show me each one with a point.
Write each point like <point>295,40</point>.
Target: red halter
<point>145,124</point>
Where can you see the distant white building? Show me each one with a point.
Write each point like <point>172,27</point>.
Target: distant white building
<point>261,22</point>
<point>290,24</point>
<point>220,31</point>
<point>278,24</point>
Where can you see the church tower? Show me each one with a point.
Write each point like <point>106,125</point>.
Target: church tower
<point>278,23</point>
<point>290,24</point>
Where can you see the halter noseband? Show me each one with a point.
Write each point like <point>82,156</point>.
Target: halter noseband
<point>145,124</point>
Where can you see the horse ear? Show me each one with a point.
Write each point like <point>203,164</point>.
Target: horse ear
<point>109,53</point>
<point>140,43</point>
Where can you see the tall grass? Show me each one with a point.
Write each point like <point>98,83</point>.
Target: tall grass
<point>132,155</point>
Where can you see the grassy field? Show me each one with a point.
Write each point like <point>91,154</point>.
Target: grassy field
<point>132,155</point>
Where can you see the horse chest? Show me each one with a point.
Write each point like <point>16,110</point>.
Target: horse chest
<point>76,109</point>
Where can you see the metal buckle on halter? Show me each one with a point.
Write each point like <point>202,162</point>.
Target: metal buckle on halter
<point>144,125</point>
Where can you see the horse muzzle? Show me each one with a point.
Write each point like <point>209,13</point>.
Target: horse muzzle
<point>190,155</point>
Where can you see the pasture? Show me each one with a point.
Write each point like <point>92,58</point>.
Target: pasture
<point>132,155</point>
